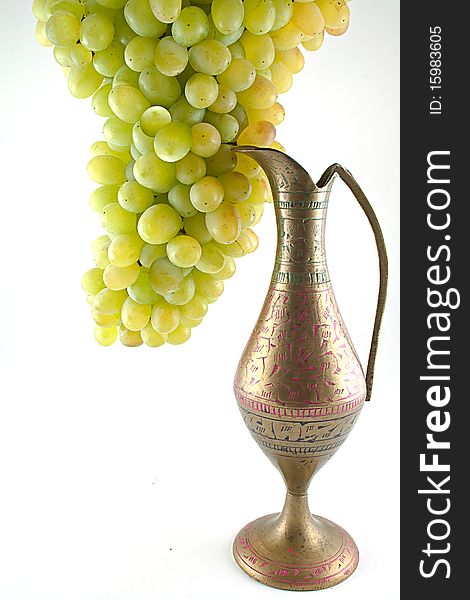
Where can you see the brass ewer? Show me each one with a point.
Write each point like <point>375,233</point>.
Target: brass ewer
<point>299,385</point>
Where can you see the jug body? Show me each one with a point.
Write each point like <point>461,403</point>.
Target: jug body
<point>299,384</point>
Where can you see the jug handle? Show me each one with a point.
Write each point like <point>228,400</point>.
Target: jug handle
<point>383,259</point>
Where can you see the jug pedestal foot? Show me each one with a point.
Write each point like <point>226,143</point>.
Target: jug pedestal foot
<point>319,557</point>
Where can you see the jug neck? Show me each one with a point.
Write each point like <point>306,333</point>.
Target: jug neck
<point>301,221</point>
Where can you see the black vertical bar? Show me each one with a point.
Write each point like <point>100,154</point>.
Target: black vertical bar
<point>435,325</point>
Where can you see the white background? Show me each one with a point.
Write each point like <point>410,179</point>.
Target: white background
<point>125,474</point>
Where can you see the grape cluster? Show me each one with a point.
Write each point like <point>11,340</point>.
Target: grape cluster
<point>178,82</point>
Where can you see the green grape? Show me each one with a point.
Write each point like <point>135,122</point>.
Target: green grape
<point>173,141</point>
<point>247,214</point>
<point>259,49</point>
<point>80,56</point>
<point>96,32</point>
<point>222,162</point>
<point>100,102</point>
<point>196,308</point>
<point>170,58</point>
<point>237,50</point>
<point>259,210</point>
<point>130,339</point>
<point>92,281</point>
<point>184,251</point>
<point>141,291</point>
<point>208,286</point>
<point>239,76</point>
<point>201,90</point>
<point>226,125</point>
<point>183,294</point>
<point>308,18</point>
<point>122,32</point>
<point>62,55</point>
<point>40,9</point>
<point>124,250</point>
<point>186,113</point>
<point>109,302</point>
<point>126,76</point>
<point>315,43</point>
<point>187,322</point>
<point>207,194</point>
<point>227,39</point>
<point>116,220</point>
<point>135,316</point>
<point>237,186</point>
<point>119,278</point>
<point>153,119</point>
<point>226,101</point>
<point>164,276</point>
<point>152,338</point>
<point>335,13</point>
<point>102,196</point>
<point>206,140</point>
<point>108,61</point>
<point>259,16</point>
<point>227,15</point>
<point>260,133</point>
<point>253,239</point>
<point>150,253</point>
<point>179,336</point>
<point>210,57</point>
<point>211,260</point>
<point>118,133</point>
<point>106,336</point>
<point>105,320</point>
<point>196,228</point>
<point>284,11</point>
<point>281,77</point>
<point>159,224</point>
<point>166,11</point>
<point>240,114</point>
<point>228,270</point>
<point>165,317</point>
<point>240,247</point>
<point>247,166</point>
<point>224,224</point>
<point>131,163</point>
<point>260,190</point>
<point>127,103</point>
<point>107,170</point>
<point>139,53</point>
<point>154,173</point>
<point>134,197</point>
<point>159,89</point>
<point>93,6</point>
<point>286,37</point>
<point>179,199</point>
<point>190,169</point>
<point>142,143</point>
<point>63,28</point>
<point>99,250</point>
<point>293,59</point>
<point>191,26</point>
<point>262,94</point>
<point>83,83</point>
<point>102,148</point>
<point>265,73</point>
<point>275,114</point>
<point>141,19</point>
<point>116,4</point>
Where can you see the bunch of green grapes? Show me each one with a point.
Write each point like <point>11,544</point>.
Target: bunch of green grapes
<point>179,83</point>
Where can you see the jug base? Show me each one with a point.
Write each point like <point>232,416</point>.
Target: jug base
<point>320,558</point>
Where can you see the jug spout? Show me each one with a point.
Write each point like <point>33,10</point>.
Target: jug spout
<point>284,173</point>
